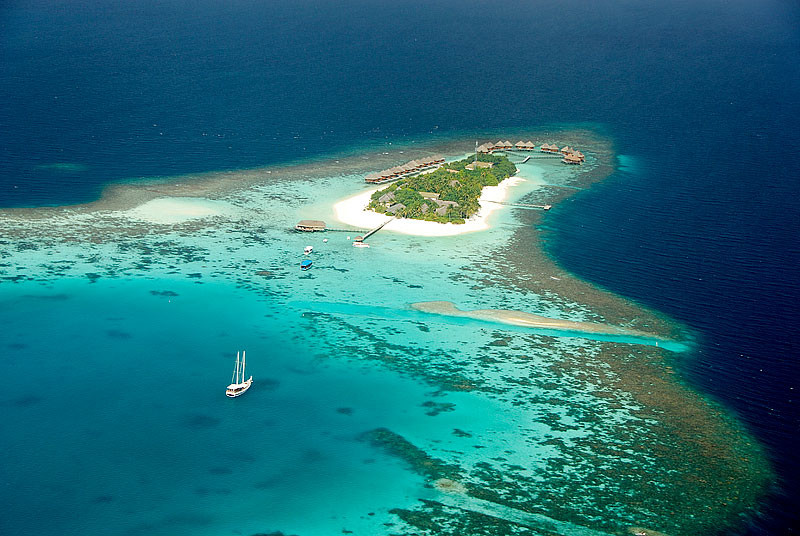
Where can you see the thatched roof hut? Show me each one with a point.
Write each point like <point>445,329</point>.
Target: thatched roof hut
<point>310,225</point>
<point>547,148</point>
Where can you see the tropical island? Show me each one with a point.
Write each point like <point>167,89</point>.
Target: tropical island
<point>449,194</point>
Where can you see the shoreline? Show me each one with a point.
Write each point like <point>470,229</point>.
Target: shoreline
<point>353,211</point>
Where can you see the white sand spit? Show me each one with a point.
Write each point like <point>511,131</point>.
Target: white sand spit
<point>172,210</point>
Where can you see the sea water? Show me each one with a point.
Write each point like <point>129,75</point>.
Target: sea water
<point>120,351</point>
<point>701,94</point>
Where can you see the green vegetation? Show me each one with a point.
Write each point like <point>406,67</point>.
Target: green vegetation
<point>456,191</point>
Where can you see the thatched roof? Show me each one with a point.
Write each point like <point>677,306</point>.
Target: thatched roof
<point>311,224</point>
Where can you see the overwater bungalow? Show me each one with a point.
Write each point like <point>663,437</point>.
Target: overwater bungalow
<point>571,158</point>
<point>508,145</point>
<point>485,148</point>
<point>566,150</point>
<point>310,226</point>
<point>520,145</point>
<point>530,145</point>
<point>579,155</point>
<point>547,148</point>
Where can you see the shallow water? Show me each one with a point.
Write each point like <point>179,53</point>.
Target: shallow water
<point>130,330</point>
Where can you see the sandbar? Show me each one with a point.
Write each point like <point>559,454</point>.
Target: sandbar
<point>172,210</point>
<point>520,318</point>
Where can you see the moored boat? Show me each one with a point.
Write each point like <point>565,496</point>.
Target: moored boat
<point>305,265</point>
<point>238,384</point>
<point>307,250</point>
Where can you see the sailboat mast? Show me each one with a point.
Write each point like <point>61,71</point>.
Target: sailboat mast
<point>233,376</point>
<point>237,367</point>
<point>244,364</point>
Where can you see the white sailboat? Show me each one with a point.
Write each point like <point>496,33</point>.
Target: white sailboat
<point>238,384</point>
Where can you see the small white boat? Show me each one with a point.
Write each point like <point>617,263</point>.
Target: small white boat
<point>307,250</point>
<point>360,245</point>
<point>238,384</point>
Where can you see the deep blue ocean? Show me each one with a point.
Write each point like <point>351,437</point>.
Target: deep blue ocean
<point>702,99</point>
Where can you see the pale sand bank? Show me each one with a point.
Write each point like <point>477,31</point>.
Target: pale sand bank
<point>352,211</point>
<point>172,210</point>
<point>519,318</point>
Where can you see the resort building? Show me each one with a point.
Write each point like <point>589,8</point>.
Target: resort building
<point>478,164</point>
<point>406,169</point>
<point>443,206</point>
<point>524,146</point>
<point>547,148</point>
<point>572,158</point>
<point>310,226</point>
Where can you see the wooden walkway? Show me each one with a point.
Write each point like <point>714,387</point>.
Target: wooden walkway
<point>376,229</point>
<point>354,231</point>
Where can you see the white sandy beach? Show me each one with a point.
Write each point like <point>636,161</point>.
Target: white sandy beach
<point>352,211</point>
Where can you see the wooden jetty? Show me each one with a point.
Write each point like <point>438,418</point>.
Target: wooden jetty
<point>313,226</point>
<point>373,231</point>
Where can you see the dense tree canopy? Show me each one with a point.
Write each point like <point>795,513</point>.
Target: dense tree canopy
<point>458,190</point>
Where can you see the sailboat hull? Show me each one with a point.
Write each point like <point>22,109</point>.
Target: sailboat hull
<point>238,389</point>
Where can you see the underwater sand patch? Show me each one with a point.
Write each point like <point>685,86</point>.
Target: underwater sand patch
<point>446,485</point>
<point>172,210</point>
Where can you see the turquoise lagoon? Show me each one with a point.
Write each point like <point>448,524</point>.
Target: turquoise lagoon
<point>120,336</point>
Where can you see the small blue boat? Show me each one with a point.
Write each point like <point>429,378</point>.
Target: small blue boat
<point>305,265</point>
